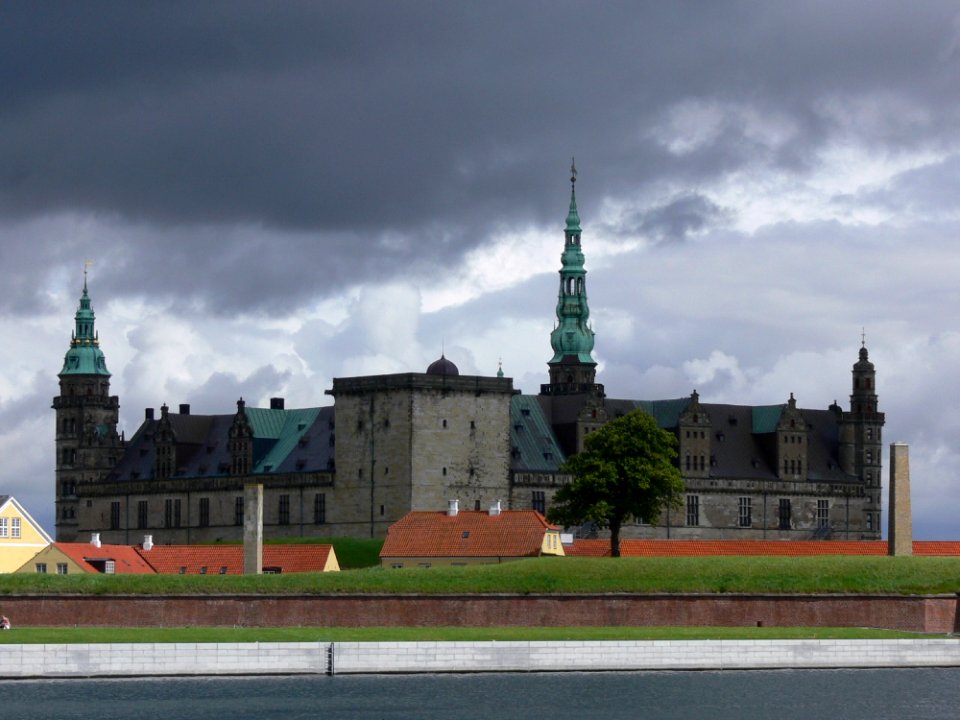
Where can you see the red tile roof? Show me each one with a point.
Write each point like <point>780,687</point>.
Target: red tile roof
<point>125,558</point>
<point>512,533</point>
<point>795,548</point>
<point>168,559</point>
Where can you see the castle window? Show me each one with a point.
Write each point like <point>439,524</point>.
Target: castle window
<point>823,513</point>
<point>869,521</point>
<point>382,510</point>
<point>115,515</point>
<point>693,510</point>
<point>238,510</point>
<point>444,423</point>
<point>538,501</point>
<point>171,513</point>
<point>204,519</point>
<point>141,514</point>
<point>745,512</point>
<point>444,472</point>
<point>783,512</point>
<point>319,509</point>
<point>283,511</point>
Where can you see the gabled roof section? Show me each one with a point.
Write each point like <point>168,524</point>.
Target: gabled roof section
<point>284,441</point>
<point>126,559</point>
<point>11,501</point>
<point>228,559</point>
<point>512,533</point>
<point>534,445</point>
<point>283,429</point>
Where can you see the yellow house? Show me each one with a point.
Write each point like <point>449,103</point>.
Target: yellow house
<point>21,537</point>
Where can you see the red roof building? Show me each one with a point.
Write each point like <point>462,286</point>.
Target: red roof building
<point>423,539</point>
<point>744,548</point>
<point>228,559</point>
<point>93,557</point>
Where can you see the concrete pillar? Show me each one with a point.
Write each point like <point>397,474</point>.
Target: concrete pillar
<point>900,527</point>
<point>253,529</point>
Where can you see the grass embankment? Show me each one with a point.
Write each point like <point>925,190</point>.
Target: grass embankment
<point>56,636</point>
<point>905,576</point>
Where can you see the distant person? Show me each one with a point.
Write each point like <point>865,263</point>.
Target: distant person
<point>4,622</point>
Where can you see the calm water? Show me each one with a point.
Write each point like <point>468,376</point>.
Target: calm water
<point>845,694</point>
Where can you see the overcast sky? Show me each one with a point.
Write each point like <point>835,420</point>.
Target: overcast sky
<point>276,194</point>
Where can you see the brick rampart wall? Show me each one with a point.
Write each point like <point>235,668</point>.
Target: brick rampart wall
<point>934,613</point>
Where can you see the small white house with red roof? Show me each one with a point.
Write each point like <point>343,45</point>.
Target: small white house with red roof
<point>468,537</point>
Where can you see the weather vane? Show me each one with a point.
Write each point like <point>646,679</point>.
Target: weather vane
<point>573,170</point>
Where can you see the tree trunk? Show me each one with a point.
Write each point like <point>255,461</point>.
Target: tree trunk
<point>615,539</point>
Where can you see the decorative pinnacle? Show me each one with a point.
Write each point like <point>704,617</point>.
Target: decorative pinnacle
<point>863,337</point>
<point>573,171</point>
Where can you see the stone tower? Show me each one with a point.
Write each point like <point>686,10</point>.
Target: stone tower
<point>86,434</point>
<point>861,440</point>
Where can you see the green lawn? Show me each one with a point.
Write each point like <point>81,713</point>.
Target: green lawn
<point>396,634</point>
<point>902,575</point>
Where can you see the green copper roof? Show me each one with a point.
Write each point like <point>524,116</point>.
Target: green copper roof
<point>534,445</point>
<point>276,433</point>
<point>572,336</point>
<point>766,417</point>
<point>84,356</point>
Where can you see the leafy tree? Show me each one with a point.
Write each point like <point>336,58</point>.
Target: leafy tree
<point>628,468</point>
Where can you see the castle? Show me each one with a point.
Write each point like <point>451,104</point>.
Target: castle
<point>391,444</point>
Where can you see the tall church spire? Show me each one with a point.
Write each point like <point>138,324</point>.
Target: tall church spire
<point>572,368</point>
<point>84,356</point>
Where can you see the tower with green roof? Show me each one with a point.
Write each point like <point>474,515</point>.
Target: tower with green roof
<point>572,367</point>
<point>86,434</point>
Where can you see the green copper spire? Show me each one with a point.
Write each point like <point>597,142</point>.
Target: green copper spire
<point>84,356</point>
<point>572,339</point>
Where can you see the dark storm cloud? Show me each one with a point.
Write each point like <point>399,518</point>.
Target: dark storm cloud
<point>681,217</point>
<point>362,140</point>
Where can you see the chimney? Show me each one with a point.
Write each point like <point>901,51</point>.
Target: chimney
<point>276,403</point>
<point>453,509</point>
<point>899,521</point>
<point>184,408</point>
<point>148,542</point>
<point>95,539</point>
<point>495,508</point>
<point>148,414</point>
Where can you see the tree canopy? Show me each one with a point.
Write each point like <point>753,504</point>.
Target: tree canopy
<point>627,469</point>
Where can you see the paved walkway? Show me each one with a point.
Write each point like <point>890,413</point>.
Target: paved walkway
<point>146,659</point>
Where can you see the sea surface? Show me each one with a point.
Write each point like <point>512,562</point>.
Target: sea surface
<point>908,694</point>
